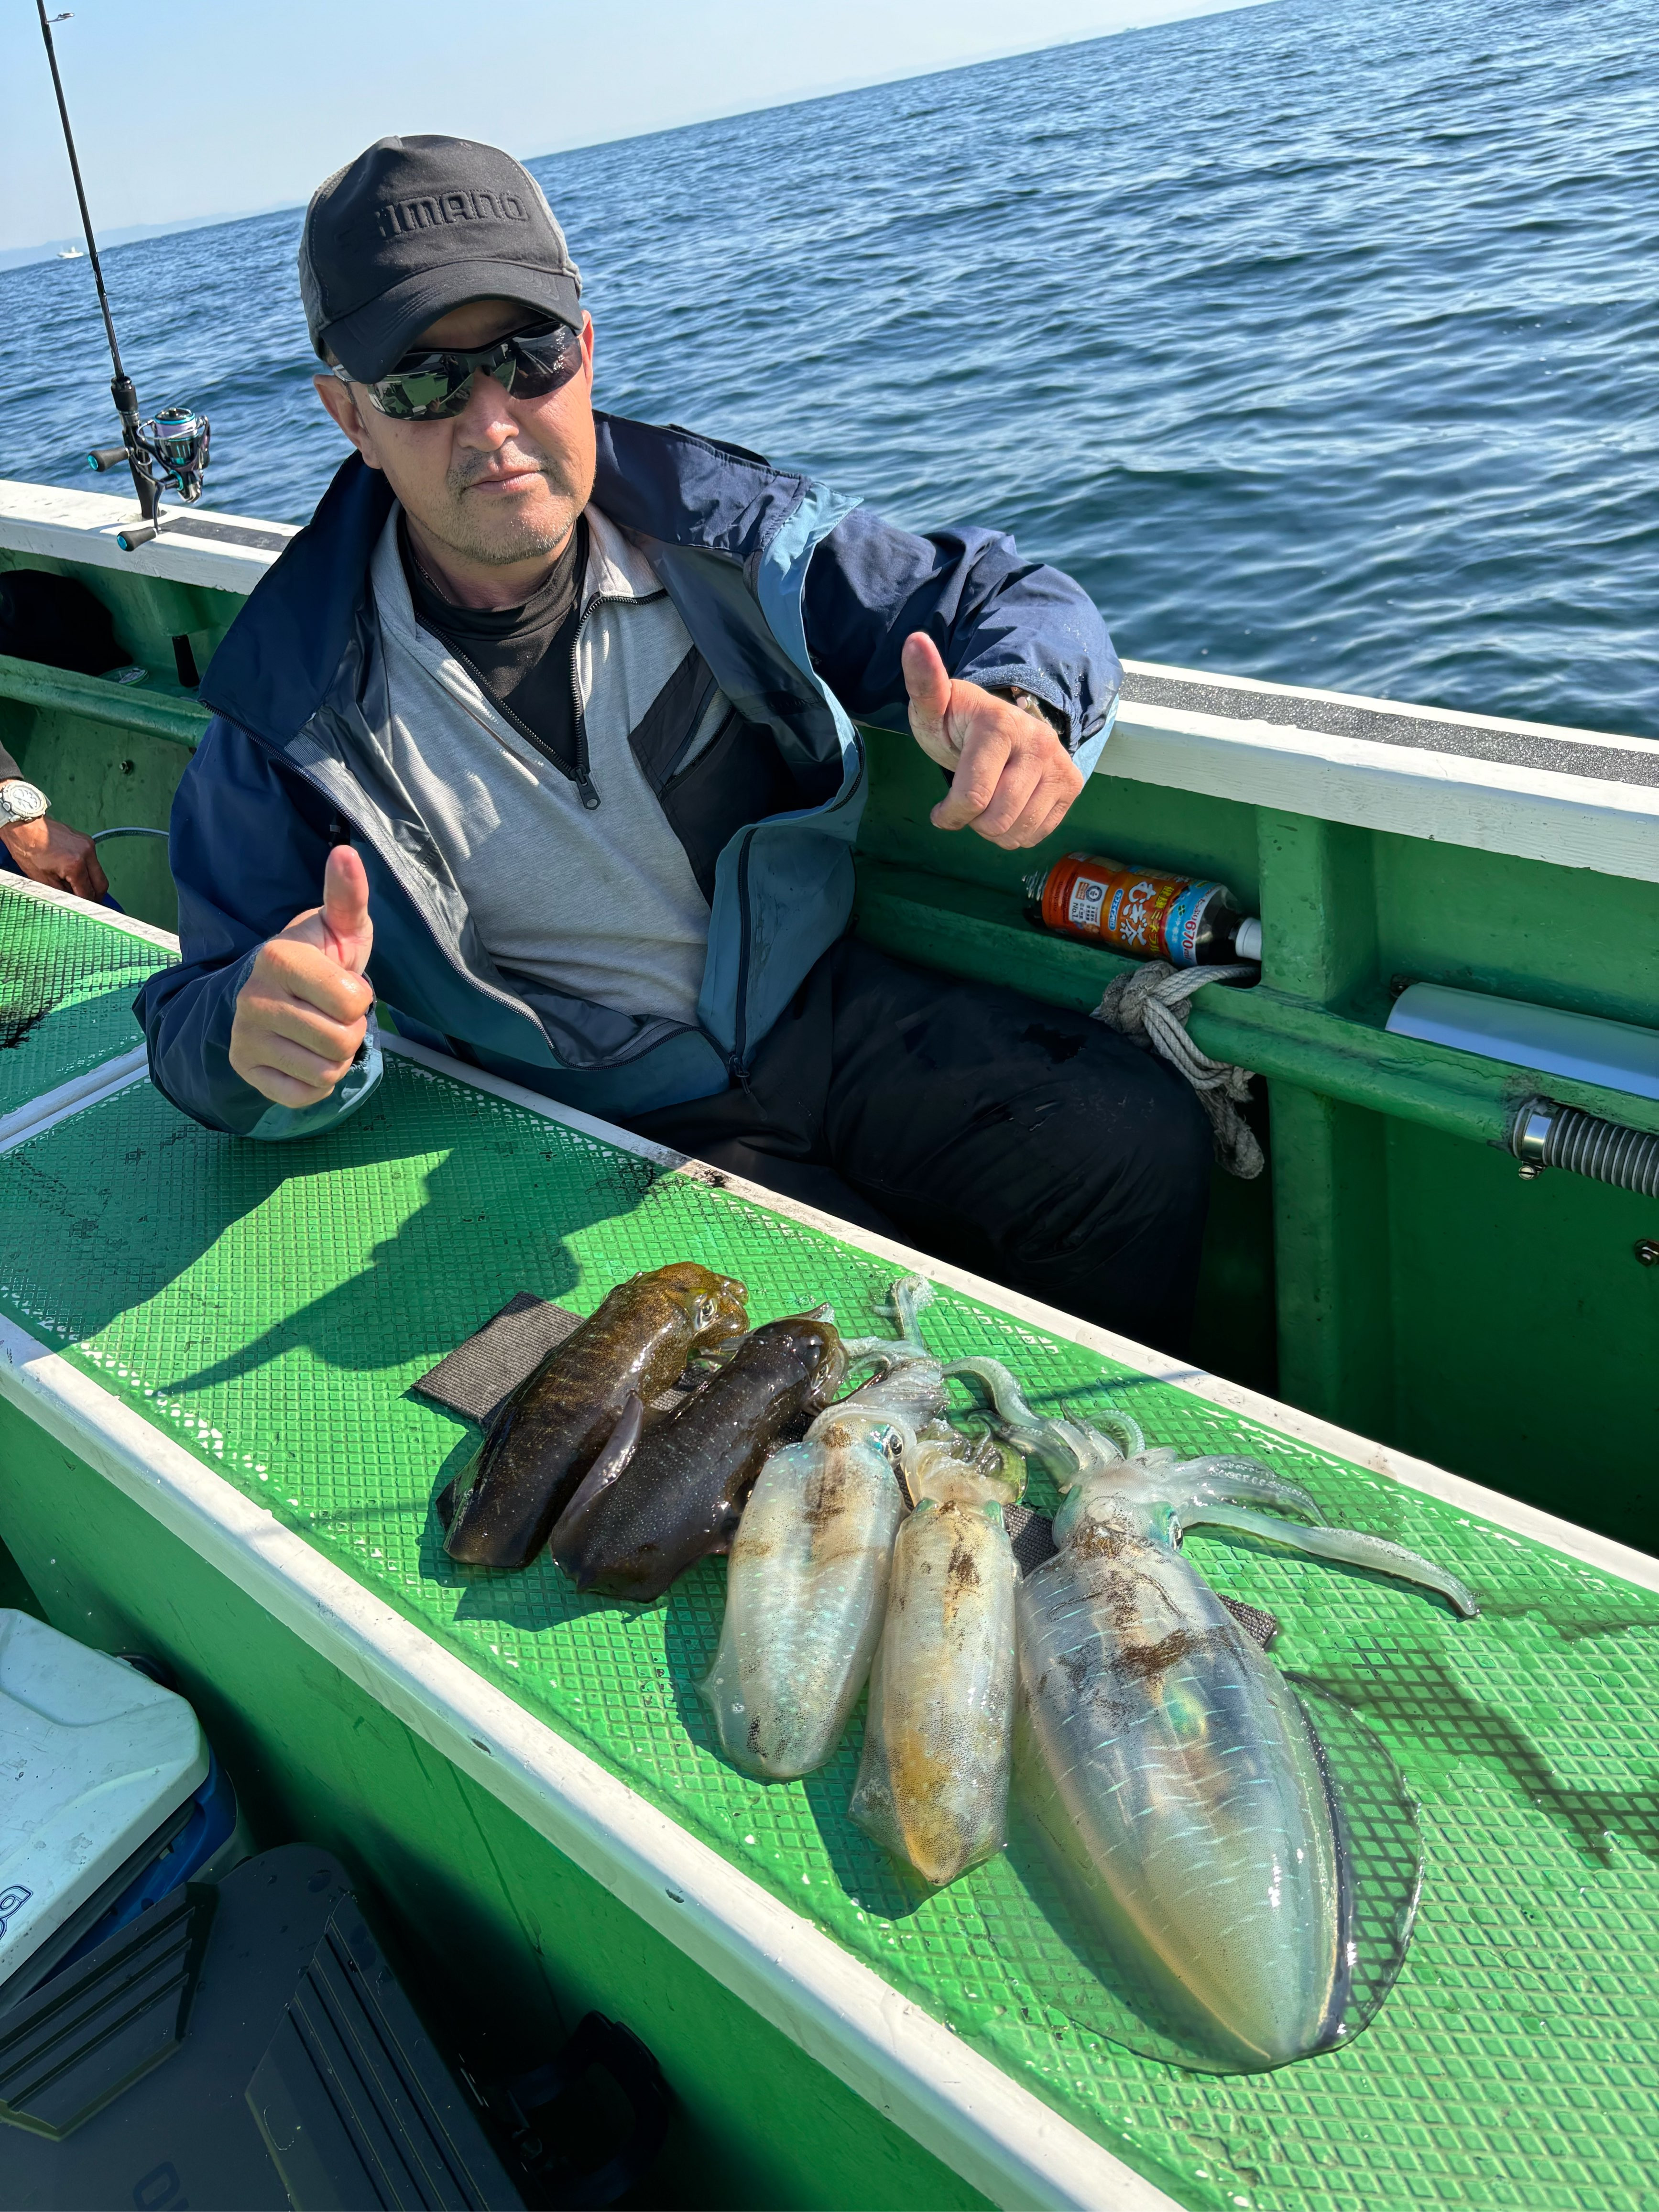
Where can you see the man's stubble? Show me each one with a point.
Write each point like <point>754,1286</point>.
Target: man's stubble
<point>498,541</point>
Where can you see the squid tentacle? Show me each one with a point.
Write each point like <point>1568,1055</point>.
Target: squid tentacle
<point>1072,1449</point>
<point>908,1296</point>
<point>1346,1547</point>
<point>1240,1481</point>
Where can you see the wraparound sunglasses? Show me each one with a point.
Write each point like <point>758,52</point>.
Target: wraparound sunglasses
<point>425,387</point>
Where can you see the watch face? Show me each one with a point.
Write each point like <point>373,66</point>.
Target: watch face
<point>21,801</point>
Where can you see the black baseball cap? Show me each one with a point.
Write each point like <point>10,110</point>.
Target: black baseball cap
<point>415,227</point>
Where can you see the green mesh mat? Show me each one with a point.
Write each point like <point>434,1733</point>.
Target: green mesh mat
<point>269,1307</point>
<point>67,984</point>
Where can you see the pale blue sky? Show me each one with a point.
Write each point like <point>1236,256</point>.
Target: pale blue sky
<point>274,97</point>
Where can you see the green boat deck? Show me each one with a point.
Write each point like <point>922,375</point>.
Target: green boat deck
<point>67,982</point>
<point>263,1310</point>
<point>208,1449</point>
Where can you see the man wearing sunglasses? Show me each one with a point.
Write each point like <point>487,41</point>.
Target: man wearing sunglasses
<point>553,712</point>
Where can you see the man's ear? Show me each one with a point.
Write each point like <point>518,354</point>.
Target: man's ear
<point>341,403</point>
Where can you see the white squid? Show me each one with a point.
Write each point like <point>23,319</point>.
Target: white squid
<point>1179,1787</point>
<point>806,1586</point>
<point>932,1784</point>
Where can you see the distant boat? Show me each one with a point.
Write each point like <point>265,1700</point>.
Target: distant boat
<point>71,254</point>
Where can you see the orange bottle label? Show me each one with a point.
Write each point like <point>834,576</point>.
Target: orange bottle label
<point>1141,911</point>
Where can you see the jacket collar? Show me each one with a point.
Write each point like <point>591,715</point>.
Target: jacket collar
<point>280,658</point>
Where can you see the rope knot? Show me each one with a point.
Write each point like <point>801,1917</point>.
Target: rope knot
<point>1149,1002</point>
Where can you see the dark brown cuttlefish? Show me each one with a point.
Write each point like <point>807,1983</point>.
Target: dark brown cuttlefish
<point>634,1346</point>
<point>654,1501</point>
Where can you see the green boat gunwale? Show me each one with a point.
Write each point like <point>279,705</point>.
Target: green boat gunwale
<point>960,2106</point>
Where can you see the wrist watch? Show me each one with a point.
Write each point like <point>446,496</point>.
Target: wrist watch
<point>21,801</point>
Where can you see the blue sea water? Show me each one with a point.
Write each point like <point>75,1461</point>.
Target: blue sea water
<point>1320,339</point>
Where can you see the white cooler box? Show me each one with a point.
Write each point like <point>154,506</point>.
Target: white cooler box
<point>109,1799</point>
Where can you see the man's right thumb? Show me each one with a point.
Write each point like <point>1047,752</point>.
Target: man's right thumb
<point>347,934</point>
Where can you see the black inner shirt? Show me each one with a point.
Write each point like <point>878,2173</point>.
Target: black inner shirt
<point>521,655</point>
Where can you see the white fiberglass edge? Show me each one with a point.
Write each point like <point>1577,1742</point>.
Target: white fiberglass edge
<point>69,1097</point>
<point>959,2105</point>
<point>1537,814</point>
<point>81,526</point>
<point>1599,1551</point>
<point>21,887</point>
<point>1167,671</point>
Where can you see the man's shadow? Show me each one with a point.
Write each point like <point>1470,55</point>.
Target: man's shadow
<point>427,1231</point>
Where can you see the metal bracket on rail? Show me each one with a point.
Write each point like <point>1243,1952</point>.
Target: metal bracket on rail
<point>1543,1134</point>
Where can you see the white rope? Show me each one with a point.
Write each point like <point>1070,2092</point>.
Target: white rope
<point>1150,1002</point>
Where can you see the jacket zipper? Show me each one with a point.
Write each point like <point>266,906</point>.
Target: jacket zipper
<point>740,1027</point>
<point>586,790</point>
<point>578,775</point>
<point>473,982</point>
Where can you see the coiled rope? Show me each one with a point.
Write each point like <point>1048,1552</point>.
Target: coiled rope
<point>1149,1002</point>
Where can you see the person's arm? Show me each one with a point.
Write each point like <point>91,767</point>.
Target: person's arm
<point>953,629</point>
<point>49,852</point>
<point>264,1029</point>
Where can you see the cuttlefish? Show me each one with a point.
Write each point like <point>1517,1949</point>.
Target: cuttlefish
<point>1178,1782</point>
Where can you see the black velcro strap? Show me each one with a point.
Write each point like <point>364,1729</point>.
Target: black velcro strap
<point>477,1378</point>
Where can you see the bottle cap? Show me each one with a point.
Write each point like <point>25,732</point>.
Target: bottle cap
<point>1247,942</point>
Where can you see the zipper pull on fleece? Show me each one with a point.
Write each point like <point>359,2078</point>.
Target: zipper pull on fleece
<point>589,796</point>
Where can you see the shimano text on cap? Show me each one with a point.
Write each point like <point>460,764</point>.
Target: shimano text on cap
<point>415,227</point>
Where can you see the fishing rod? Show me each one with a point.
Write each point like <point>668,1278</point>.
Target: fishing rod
<point>169,450</point>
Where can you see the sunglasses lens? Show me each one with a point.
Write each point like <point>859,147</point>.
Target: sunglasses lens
<point>542,363</point>
<point>531,364</point>
<point>422,394</point>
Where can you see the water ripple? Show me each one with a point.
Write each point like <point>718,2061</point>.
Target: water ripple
<point>1321,341</point>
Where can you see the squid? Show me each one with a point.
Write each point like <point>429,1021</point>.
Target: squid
<point>933,1781</point>
<point>806,1587</point>
<point>1177,1783</point>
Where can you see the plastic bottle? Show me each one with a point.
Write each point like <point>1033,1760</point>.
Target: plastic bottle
<point>1145,912</point>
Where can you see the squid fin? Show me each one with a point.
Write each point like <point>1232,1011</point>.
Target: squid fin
<point>1348,1547</point>
<point>619,1448</point>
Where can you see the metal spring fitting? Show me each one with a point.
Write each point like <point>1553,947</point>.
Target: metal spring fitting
<point>1544,1134</point>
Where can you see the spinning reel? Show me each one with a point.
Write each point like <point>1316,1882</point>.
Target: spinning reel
<point>170,451</point>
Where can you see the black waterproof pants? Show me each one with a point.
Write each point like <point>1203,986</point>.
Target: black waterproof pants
<point>1033,1145</point>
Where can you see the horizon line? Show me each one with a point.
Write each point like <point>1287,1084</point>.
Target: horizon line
<point>18,256</point>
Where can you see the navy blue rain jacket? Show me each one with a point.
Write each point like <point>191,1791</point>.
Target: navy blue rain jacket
<point>799,601</point>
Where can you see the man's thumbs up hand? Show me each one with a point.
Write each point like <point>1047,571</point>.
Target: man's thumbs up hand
<point>1012,778</point>
<point>348,935</point>
<point>302,1012</point>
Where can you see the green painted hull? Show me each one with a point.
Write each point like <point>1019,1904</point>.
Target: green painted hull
<point>251,1327</point>
<point>207,1449</point>
<point>1391,1273</point>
